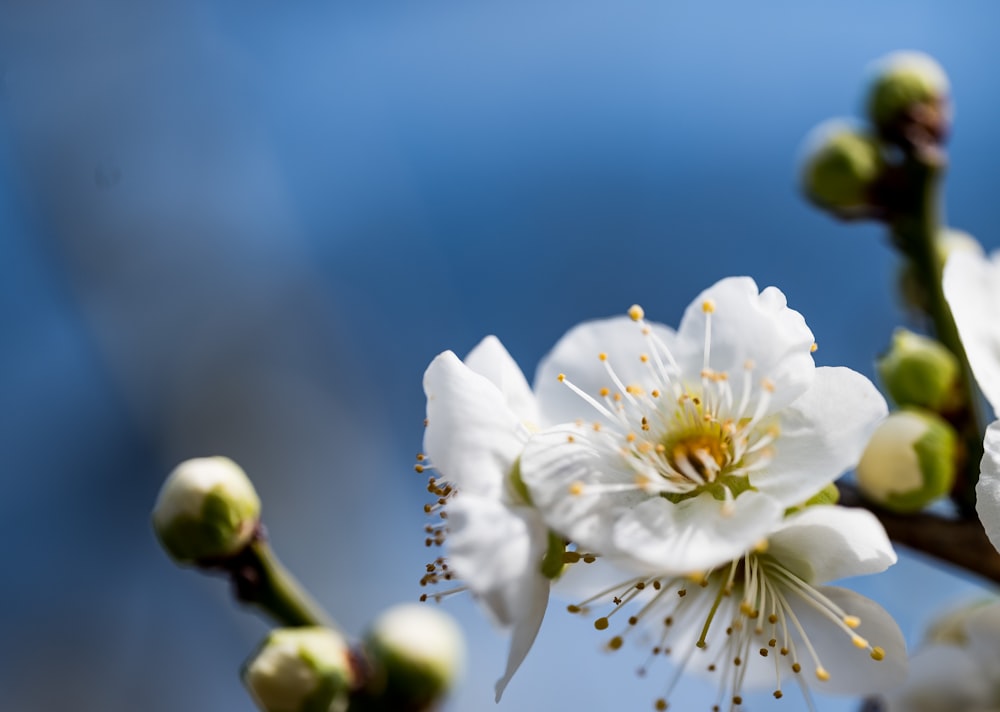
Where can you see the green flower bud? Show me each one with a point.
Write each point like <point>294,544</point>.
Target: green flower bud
<point>416,654</point>
<point>207,509</point>
<point>908,89</point>
<point>840,168</point>
<point>301,670</point>
<point>909,461</point>
<point>919,371</point>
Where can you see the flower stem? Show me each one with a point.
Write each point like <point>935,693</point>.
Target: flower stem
<point>280,595</point>
<point>915,226</point>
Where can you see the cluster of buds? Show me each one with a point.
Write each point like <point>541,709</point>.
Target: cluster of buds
<point>848,167</point>
<point>208,515</point>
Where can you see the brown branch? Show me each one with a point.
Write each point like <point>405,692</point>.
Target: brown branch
<point>959,542</point>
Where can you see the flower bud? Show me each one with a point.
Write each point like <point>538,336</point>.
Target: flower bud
<point>909,461</point>
<point>840,167</point>
<point>919,371</point>
<point>908,89</point>
<point>206,509</point>
<point>301,670</point>
<point>416,654</point>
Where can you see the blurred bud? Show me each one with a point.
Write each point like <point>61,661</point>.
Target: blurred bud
<point>301,670</point>
<point>907,91</point>
<point>840,167</point>
<point>416,653</point>
<point>909,461</point>
<point>948,242</point>
<point>206,509</point>
<point>919,371</point>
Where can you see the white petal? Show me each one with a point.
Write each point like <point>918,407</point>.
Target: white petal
<point>535,599</point>
<point>577,354</point>
<point>823,433</point>
<point>982,625</point>
<point>852,670</point>
<point>695,534</point>
<point>824,543</point>
<point>750,326</point>
<point>988,487</point>
<point>972,288</point>
<point>472,437</point>
<point>490,359</point>
<point>550,467</point>
<point>496,551</point>
<point>943,678</point>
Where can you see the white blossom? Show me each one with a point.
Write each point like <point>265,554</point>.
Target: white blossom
<point>678,451</point>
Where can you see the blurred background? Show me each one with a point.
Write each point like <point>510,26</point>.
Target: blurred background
<point>246,228</point>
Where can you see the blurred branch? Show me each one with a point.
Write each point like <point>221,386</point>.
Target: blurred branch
<point>959,542</point>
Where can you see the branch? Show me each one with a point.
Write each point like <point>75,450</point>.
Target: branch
<point>959,542</point>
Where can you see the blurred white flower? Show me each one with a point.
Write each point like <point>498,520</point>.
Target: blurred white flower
<point>762,619</point>
<point>972,288</point>
<point>696,441</point>
<point>956,669</point>
<point>479,415</point>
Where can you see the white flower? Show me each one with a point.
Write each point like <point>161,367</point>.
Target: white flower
<point>698,440</point>
<point>761,619</point>
<point>479,415</point>
<point>957,668</point>
<point>972,288</point>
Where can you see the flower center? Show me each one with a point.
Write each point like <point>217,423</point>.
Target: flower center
<point>706,453</point>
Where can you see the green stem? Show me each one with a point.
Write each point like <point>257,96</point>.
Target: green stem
<point>277,592</point>
<point>915,229</point>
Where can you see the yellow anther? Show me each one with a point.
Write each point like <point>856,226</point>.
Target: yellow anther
<point>708,306</point>
<point>746,609</point>
<point>655,393</point>
<point>630,437</point>
<point>601,624</point>
<point>617,397</point>
<point>604,392</point>
<point>768,385</point>
<point>603,356</point>
<point>644,358</point>
<point>576,489</point>
<point>418,468</point>
<point>561,377</point>
<point>597,427</point>
<point>812,349</point>
<point>761,546</point>
<point>573,609</point>
<point>696,577</point>
<point>615,643</point>
<point>570,439</point>
<point>852,621</point>
<point>821,674</point>
<point>859,642</point>
<point>878,653</point>
<point>636,312</point>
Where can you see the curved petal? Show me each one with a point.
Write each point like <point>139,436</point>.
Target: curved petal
<point>747,326</point>
<point>472,437</point>
<point>972,288</point>
<point>496,551</point>
<point>577,354</point>
<point>943,678</point>
<point>490,359</point>
<point>988,487</point>
<point>822,434</point>
<point>535,599</point>
<point>823,543</point>
<point>694,534</point>
<point>852,670</point>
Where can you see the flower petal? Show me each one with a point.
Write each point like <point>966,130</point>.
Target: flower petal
<point>823,543</point>
<point>472,437</point>
<point>972,288</point>
<point>694,534</point>
<point>822,434</point>
<point>535,599</point>
<point>852,670</point>
<point>749,326</point>
<point>577,354</point>
<point>988,487</point>
<point>490,359</point>
<point>943,678</point>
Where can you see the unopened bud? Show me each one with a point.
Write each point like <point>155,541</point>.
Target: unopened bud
<point>416,653</point>
<point>919,371</point>
<point>206,509</point>
<point>301,670</point>
<point>908,90</point>
<point>840,168</point>
<point>909,461</point>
